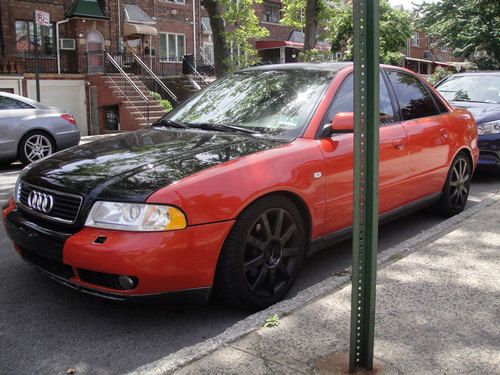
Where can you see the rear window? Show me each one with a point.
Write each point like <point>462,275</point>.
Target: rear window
<point>471,88</point>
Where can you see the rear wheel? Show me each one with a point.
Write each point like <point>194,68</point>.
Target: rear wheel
<point>456,189</point>
<point>35,146</point>
<point>262,255</point>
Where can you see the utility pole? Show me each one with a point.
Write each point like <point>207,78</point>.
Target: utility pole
<point>366,162</point>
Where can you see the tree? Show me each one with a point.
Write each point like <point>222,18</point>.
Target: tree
<point>313,8</point>
<point>469,27</point>
<point>215,12</point>
<point>233,23</point>
<point>395,29</point>
<point>334,20</point>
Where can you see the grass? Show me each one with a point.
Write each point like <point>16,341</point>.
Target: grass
<point>396,256</point>
<point>272,321</point>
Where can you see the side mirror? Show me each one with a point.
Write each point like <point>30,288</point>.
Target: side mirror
<point>343,122</point>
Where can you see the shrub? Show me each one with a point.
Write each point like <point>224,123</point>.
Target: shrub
<point>164,103</point>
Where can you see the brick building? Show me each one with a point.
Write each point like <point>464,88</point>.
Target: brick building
<point>97,40</point>
<point>423,55</point>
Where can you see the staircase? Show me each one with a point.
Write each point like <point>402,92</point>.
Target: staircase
<point>183,85</point>
<point>132,101</point>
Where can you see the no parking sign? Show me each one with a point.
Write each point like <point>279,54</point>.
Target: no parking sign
<point>42,18</point>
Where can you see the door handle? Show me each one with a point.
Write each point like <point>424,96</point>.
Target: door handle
<point>444,133</point>
<point>398,143</point>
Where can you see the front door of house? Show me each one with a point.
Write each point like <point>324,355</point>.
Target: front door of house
<point>95,52</point>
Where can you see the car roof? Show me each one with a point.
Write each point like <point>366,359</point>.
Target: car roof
<point>26,100</point>
<point>322,66</point>
<point>331,66</point>
<point>478,73</point>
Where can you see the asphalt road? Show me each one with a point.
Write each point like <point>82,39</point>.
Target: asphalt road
<point>46,328</point>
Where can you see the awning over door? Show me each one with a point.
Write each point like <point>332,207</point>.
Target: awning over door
<point>295,40</point>
<point>137,22</point>
<point>138,29</point>
<point>270,44</point>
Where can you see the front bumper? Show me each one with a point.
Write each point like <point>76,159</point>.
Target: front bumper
<point>169,266</point>
<point>489,151</point>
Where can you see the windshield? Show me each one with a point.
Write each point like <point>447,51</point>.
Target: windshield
<point>273,102</point>
<point>471,88</point>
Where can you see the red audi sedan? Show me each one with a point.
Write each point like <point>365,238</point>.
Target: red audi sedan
<point>230,191</point>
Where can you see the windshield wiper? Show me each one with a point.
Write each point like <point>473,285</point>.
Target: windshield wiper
<point>167,122</point>
<point>222,127</point>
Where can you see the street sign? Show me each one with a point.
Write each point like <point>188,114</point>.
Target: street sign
<point>366,163</point>
<point>42,18</point>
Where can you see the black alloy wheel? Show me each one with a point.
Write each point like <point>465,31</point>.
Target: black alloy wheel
<point>457,187</point>
<point>262,255</point>
<point>270,252</point>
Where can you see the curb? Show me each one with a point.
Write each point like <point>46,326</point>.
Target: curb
<point>255,321</point>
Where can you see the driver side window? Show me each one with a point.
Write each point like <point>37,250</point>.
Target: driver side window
<point>344,102</point>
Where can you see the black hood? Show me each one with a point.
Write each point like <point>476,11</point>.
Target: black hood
<point>482,112</point>
<point>132,166</point>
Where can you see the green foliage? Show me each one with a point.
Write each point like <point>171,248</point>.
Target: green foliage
<point>272,321</point>
<point>315,55</point>
<point>439,74</point>
<point>467,26</point>
<point>395,29</point>
<point>335,20</point>
<point>243,24</point>
<point>294,13</point>
<point>164,103</point>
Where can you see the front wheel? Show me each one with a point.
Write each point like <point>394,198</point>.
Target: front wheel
<point>262,255</point>
<point>456,189</point>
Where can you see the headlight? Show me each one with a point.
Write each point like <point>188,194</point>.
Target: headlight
<point>135,217</point>
<point>492,127</point>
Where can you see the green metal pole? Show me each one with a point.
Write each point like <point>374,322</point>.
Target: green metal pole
<point>37,60</point>
<point>366,152</point>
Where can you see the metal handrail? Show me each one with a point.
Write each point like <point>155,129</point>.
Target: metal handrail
<point>121,71</point>
<point>155,77</point>
<point>134,86</point>
<point>194,70</point>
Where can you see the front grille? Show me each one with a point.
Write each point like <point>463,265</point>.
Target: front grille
<point>51,266</point>
<point>64,209</point>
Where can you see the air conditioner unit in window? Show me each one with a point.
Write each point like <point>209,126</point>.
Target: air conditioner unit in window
<point>67,43</point>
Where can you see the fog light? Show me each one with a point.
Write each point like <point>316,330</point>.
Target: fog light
<point>126,282</point>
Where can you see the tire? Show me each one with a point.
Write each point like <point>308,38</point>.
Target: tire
<point>456,188</point>
<point>260,259</point>
<point>34,146</point>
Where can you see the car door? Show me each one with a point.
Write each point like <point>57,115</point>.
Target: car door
<point>338,157</point>
<point>428,133</point>
<point>11,110</point>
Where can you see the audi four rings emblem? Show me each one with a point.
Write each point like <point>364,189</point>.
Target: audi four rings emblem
<point>40,201</point>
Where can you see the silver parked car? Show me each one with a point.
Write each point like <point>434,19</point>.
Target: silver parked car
<point>30,131</point>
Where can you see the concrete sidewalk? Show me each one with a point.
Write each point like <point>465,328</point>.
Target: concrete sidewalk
<point>437,313</point>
